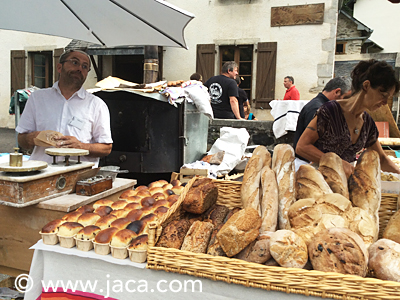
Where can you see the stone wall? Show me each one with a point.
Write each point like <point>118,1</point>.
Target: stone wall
<point>260,132</point>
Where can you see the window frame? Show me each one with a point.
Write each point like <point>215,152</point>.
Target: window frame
<point>48,67</point>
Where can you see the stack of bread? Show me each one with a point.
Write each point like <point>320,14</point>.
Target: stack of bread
<point>120,224</point>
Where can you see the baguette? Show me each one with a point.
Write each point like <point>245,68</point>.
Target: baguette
<point>331,167</point>
<point>250,190</point>
<point>310,183</point>
<point>283,166</point>
<point>269,201</point>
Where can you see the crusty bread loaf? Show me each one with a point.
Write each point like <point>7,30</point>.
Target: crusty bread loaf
<point>52,227</point>
<point>201,196</point>
<point>173,234</point>
<point>269,200</point>
<point>250,189</point>
<point>338,250</point>
<point>264,154</point>
<point>392,230</point>
<point>123,238</point>
<point>331,167</point>
<point>69,229</point>
<point>217,214</point>
<point>231,213</point>
<point>288,249</point>
<point>239,231</point>
<point>257,251</point>
<point>105,221</point>
<point>365,185</point>
<point>88,219</point>
<point>197,237</point>
<point>283,166</point>
<point>214,247</point>
<point>139,243</point>
<point>362,223</point>
<point>384,259</point>
<point>310,183</point>
<point>88,233</point>
<point>104,236</point>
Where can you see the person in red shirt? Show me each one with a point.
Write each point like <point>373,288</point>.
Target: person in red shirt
<point>291,92</point>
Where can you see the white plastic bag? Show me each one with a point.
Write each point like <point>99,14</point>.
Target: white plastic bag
<point>198,93</point>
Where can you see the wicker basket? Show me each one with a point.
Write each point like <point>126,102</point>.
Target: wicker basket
<point>288,280</point>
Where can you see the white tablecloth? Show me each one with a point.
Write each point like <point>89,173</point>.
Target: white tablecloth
<point>285,113</point>
<point>119,281</point>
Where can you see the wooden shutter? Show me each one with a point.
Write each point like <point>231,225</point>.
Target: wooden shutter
<point>56,57</point>
<point>18,58</point>
<point>205,60</point>
<point>266,73</point>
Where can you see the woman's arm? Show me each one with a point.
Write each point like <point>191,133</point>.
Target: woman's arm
<point>387,164</point>
<point>305,147</point>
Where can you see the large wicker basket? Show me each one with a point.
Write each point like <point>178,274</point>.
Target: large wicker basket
<point>288,280</point>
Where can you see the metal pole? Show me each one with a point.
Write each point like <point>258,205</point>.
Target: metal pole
<point>17,113</point>
<point>150,68</point>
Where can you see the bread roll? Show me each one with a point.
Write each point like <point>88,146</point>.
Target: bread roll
<point>177,189</point>
<point>167,186</point>
<point>365,185</point>
<point>250,189</point>
<point>123,238</point>
<point>135,214</point>
<point>158,183</point>
<point>143,193</point>
<point>283,166</point>
<point>105,221</point>
<point>384,260</point>
<point>105,236</point>
<point>85,209</point>
<point>392,230</point>
<point>72,216</point>
<point>172,199</point>
<point>239,231</point>
<point>155,190</point>
<point>102,202</point>
<point>147,210</point>
<point>173,234</point>
<point>133,199</point>
<point>162,202</point>
<point>126,194</point>
<point>214,247</point>
<point>160,211</point>
<point>168,193</point>
<point>137,226</point>
<point>158,196</point>
<point>288,249</point>
<point>198,236</point>
<point>139,243</point>
<point>149,218</point>
<point>52,227</point>
<point>257,251</point>
<point>132,206</point>
<point>119,204</point>
<point>88,219</point>
<point>147,201</point>
<point>176,182</point>
<point>141,188</point>
<point>88,233</point>
<point>120,223</point>
<point>338,250</point>
<point>201,196</point>
<point>269,200</point>
<point>103,210</point>
<point>69,229</point>
<point>120,213</point>
<point>331,167</point>
<point>310,183</point>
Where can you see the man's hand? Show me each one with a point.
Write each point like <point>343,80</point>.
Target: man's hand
<point>67,141</point>
<point>95,149</point>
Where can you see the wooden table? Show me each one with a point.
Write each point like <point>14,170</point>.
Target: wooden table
<point>19,227</point>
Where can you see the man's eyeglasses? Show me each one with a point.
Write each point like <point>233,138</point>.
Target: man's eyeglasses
<point>78,64</point>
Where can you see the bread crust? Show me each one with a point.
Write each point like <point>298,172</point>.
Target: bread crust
<point>331,167</point>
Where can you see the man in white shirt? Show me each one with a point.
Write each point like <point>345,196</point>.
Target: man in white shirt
<point>68,108</point>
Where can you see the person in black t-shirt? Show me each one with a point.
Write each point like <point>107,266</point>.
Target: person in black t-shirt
<point>242,99</point>
<point>224,92</point>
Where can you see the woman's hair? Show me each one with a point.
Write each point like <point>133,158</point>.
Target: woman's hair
<point>379,74</point>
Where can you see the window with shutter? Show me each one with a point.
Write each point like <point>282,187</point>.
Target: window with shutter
<point>205,60</point>
<point>56,58</point>
<point>41,69</point>
<point>18,58</point>
<point>266,73</point>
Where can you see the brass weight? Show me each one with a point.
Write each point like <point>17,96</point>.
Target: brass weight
<point>16,158</point>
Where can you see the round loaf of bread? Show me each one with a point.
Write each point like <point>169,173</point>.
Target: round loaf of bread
<point>392,230</point>
<point>119,204</point>
<point>133,199</point>
<point>123,238</point>
<point>105,221</point>
<point>167,186</point>
<point>52,227</point>
<point>135,214</point>
<point>158,196</point>
<point>120,213</point>
<point>132,206</point>
<point>88,219</point>
<point>160,211</point>
<point>338,250</point>
<point>175,182</point>
<point>69,229</point>
<point>103,210</point>
<point>102,202</point>
<point>121,223</point>
<point>288,249</point>
<point>155,190</point>
<point>126,194</point>
<point>88,233</point>
<point>172,199</point>
<point>104,236</point>
<point>85,209</point>
<point>147,201</point>
<point>178,189</point>
<point>257,251</point>
<point>72,216</point>
<point>384,259</point>
<point>139,243</point>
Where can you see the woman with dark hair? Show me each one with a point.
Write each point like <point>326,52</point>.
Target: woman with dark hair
<point>344,127</point>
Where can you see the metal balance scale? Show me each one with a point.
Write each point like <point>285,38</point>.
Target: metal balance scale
<point>30,182</point>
